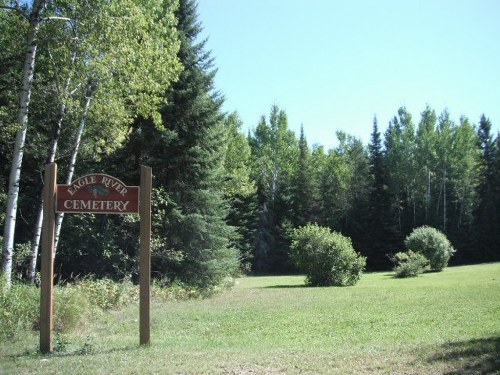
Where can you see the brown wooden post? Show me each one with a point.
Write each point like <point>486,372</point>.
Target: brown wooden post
<point>47,262</point>
<point>145,255</point>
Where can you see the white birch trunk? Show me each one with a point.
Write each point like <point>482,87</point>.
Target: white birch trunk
<point>51,157</point>
<point>17,159</point>
<point>72,162</point>
<point>39,218</point>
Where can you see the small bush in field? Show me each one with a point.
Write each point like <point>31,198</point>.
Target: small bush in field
<point>409,264</point>
<point>432,244</point>
<point>326,257</point>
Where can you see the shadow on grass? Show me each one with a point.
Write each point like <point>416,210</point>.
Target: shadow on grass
<point>286,286</point>
<point>84,351</point>
<point>477,356</point>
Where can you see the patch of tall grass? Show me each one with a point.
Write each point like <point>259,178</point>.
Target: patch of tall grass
<point>75,302</point>
<point>19,308</point>
<point>108,294</point>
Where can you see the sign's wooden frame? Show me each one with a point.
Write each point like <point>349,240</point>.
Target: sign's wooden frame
<point>47,263</point>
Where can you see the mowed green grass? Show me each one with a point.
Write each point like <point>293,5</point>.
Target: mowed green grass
<point>438,323</point>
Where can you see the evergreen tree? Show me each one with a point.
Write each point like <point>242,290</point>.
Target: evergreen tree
<point>193,242</point>
<point>379,233</point>
<point>487,214</point>
<point>303,197</point>
<point>355,157</point>
<point>318,164</point>
<point>240,190</point>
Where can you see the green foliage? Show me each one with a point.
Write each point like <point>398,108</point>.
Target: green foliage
<point>71,308</point>
<point>99,245</point>
<point>431,243</point>
<point>19,308</point>
<point>106,293</point>
<point>222,202</point>
<point>409,264</point>
<point>240,190</point>
<point>304,203</point>
<point>192,241</point>
<point>74,304</point>
<point>21,259</point>
<point>275,159</point>
<point>326,257</point>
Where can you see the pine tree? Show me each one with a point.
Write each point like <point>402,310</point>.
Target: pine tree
<point>380,233</point>
<point>303,187</point>
<point>194,163</point>
<point>240,190</point>
<point>487,215</point>
<point>193,242</point>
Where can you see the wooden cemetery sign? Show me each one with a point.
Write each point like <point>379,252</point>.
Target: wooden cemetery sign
<point>97,194</point>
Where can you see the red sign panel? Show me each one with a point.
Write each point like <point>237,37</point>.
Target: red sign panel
<point>97,193</point>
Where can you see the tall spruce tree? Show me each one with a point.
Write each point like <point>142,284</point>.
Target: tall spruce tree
<point>303,198</point>
<point>487,214</point>
<point>194,162</point>
<point>240,190</point>
<point>379,233</point>
<point>192,240</point>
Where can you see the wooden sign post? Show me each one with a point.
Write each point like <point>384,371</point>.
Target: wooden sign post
<point>145,256</point>
<point>97,194</point>
<point>47,266</point>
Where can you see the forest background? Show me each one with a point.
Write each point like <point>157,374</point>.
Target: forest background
<point>114,86</point>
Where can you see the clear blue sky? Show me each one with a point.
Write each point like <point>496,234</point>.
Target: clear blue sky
<point>332,65</point>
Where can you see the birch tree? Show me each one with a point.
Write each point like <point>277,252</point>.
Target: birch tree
<point>34,20</point>
<point>139,41</point>
<point>274,161</point>
<point>126,50</point>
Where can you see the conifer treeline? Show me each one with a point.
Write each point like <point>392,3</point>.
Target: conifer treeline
<point>432,172</point>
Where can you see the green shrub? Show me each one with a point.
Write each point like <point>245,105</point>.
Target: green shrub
<point>409,264</point>
<point>432,244</point>
<point>107,294</point>
<point>326,257</point>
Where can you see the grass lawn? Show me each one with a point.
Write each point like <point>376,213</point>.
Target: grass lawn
<point>438,323</point>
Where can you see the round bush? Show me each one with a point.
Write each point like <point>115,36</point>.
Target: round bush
<point>409,264</point>
<point>326,257</point>
<point>431,243</point>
